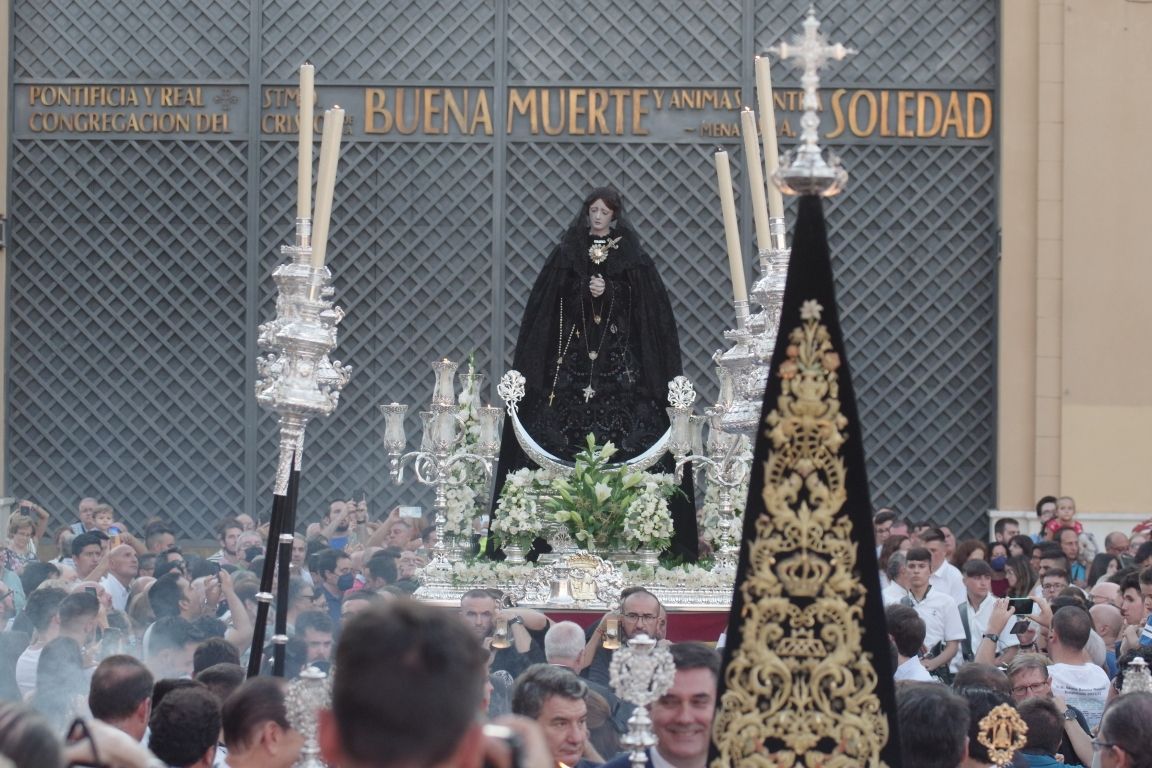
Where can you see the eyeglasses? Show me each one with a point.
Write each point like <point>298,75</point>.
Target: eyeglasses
<point>641,617</point>
<point>1099,746</point>
<point>1020,690</point>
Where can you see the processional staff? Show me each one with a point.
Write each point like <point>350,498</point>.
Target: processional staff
<point>296,379</point>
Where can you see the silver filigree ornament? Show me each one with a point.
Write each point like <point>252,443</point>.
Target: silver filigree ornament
<point>640,674</point>
<point>304,699</point>
<point>512,389</point>
<point>681,393</point>
<point>296,379</point>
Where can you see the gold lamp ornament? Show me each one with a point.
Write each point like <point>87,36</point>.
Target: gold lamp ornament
<point>1003,732</point>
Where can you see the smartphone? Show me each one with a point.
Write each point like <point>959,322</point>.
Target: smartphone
<point>213,568</point>
<point>360,495</point>
<point>90,590</point>
<point>1020,627</point>
<point>1021,606</point>
<point>411,512</point>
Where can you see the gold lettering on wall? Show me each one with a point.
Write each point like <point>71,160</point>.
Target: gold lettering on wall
<point>435,111</point>
<point>142,109</point>
<point>579,111</point>
<point>562,111</point>
<point>910,114</point>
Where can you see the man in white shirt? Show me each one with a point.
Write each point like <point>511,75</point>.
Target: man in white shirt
<point>1074,677</point>
<point>42,609</point>
<point>946,577</point>
<point>978,605</point>
<point>906,630</point>
<point>942,629</point>
<point>123,565</point>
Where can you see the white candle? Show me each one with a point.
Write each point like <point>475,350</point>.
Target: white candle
<point>307,101</point>
<point>755,179</point>
<point>326,182</point>
<point>731,233</point>
<point>768,134</point>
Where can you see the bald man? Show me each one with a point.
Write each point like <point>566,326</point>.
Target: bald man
<point>1105,593</point>
<point>1108,621</point>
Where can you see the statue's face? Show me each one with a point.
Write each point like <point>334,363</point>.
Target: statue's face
<point>600,217</point>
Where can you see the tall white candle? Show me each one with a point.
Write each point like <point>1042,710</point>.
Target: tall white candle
<point>307,101</point>
<point>731,233</point>
<point>768,134</point>
<point>755,178</point>
<point>326,182</point>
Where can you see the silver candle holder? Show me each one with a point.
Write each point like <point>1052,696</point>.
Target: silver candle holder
<point>724,458</point>
<point>640,674</point>
<point>440,452</point>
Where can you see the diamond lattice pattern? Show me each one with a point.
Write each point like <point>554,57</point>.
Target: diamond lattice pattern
<point>133,39</point>
<point>127,333</point>
<point>139,270</point>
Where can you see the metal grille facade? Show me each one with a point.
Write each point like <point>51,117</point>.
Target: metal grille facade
<point>140,267</point>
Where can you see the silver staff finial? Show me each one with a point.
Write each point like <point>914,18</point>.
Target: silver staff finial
<point>804,170</point>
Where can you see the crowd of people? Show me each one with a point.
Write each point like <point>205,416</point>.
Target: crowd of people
<point>127,648</point>
<point>1047,624</point>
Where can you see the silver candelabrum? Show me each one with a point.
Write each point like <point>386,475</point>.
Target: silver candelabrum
<point>640,674</point>
<point>441,451</point>
<point>743,368</point>
<point>725,459</point>
<point>296,379</point>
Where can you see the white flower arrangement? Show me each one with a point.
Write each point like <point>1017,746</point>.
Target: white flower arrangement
<point>489,572</point>
<point>602,506</point>
<point>518,519</point>
<point>648,521</point>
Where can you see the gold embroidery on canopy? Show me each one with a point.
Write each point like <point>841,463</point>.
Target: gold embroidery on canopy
<point>800,691</point>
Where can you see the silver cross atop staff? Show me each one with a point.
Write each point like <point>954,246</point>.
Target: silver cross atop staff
<point>804,170</point>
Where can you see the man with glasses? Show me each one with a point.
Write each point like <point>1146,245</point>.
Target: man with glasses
<point>1105,593</point>
<point>1116,543</point>
<point>1053,583</point>
<point>1028,676</point>
<point>1125,738</point>
<point>640,613</point>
